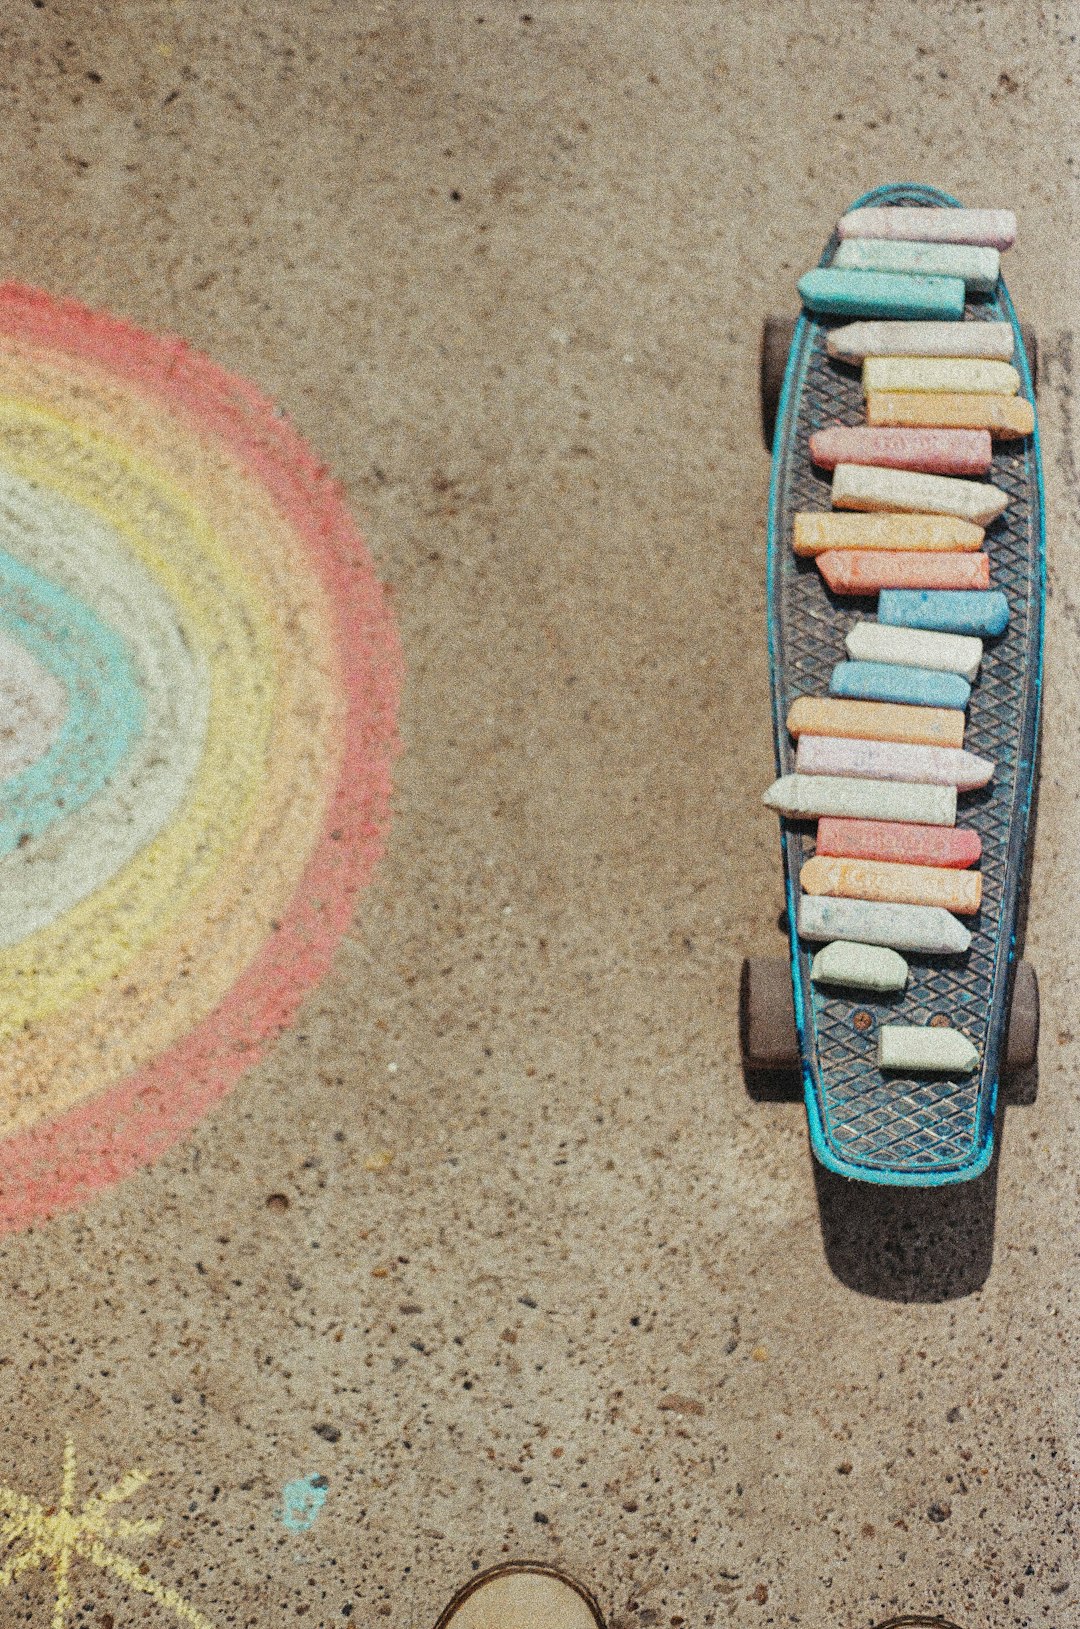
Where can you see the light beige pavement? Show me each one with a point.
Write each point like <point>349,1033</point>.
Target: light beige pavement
<point>506,265</point>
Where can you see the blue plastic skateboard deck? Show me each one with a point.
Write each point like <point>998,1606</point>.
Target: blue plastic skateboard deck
<point>865,1124</point>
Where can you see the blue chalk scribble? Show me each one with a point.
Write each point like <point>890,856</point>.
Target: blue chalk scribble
<point>301,1502</point>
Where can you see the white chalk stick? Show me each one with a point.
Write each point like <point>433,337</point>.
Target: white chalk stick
<point>926,1049</point>
<point>807,796</point>
<point>915,647</point>
<point>892,761</point>
<point>855,341</point>
<point>906,491</point>
<point>910,223</point>
<point>979,267</point>
<point>967,374</point>
<point>926,929</point>
<point>860,967</point>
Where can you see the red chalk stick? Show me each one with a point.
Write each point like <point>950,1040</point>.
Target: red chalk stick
<point>864,571</point>
<point>941,452</point>
<point>953,846</point>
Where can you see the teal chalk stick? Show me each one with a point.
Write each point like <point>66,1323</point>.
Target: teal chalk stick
<point>887,681</point>
<point>838,292</point>
<point>978,267</point>
<point>984,612</point>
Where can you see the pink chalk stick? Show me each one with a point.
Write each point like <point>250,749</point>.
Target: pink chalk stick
<point>938,452</point>
<point>988,228</point>
<point>891,761</point>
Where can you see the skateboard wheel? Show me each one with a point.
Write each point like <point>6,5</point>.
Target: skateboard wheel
<point>776,337</point>
<point>767,1015</point>
<point>525,1594</point>
<point>1022,1039</point>
<point>1031,346</point>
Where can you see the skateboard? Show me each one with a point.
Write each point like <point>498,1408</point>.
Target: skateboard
<point>864,1124</point>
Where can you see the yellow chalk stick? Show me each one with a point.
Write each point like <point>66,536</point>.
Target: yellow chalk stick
<point>813,532</point>
<point>889,883</point>
<point>957,375</point>
<point>877,721</point>
<point>1003,416</point>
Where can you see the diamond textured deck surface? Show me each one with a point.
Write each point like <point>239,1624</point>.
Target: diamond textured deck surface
<point>493,1254</point>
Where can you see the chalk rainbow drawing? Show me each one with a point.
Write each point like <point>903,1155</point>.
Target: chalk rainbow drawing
<point>199,679</point>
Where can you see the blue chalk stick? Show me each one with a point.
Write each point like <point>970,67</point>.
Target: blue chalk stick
<point>946,610</point>
<point>886,681</point>
<point>840,292</point>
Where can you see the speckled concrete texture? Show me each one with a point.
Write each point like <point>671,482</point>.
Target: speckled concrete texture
<point>496,1241</point>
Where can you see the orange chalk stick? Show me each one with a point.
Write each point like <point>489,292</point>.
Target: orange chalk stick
<point>897,840</point>
<point>876,721</point>
<point>957,891</point>
<point>864,571</point>
<point>814,533</point>
<point>1003,416</point>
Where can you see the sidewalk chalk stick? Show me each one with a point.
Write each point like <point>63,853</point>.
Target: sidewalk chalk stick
<point>925,1049</point>
<point>944,610</point>
<point>893,883</point>
<point>924,928</point>
<point>914,647</point>
<point>816,531</point>
<point>978,266</point>
<point>858,340</point>
<point>892,761</point>
<point>876,721</point>
<point>860,967</point>
<point>957,376</point>
<point>955,846</point>
<point>861,486</point>
<point>938,452</point>
<point>804,797</point>
<point>835,292</point>
<point>887,681</point>
<point>990,228</point>
<point>1006,417</point>
<point>865,571</point>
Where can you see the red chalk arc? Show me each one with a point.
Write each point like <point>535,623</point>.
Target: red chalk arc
<point>47,348</point>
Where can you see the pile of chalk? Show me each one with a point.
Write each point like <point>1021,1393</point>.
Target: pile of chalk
<point>880,761</point>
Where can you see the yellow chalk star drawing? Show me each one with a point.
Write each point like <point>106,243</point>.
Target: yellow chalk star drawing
<point>56,1536</point>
